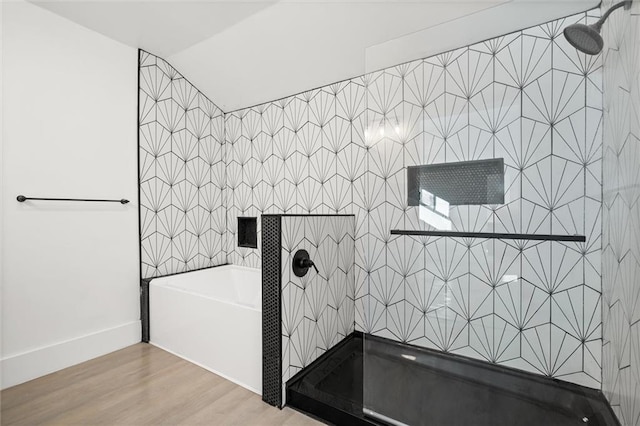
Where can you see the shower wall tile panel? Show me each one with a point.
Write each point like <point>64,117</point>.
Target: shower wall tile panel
<point>318,310</point>
<point>621,213</point>
<point>182,173</point>
<point>527,97</point>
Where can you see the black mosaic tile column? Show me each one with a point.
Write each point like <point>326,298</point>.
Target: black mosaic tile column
<point>145,319</point>
<point>271,311</point>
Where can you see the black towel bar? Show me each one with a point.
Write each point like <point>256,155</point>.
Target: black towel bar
<point>22,198</point>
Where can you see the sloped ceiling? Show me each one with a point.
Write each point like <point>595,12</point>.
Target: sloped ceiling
<point>242,53</point>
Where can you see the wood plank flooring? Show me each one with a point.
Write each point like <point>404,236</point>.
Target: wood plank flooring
<point>139,385</point>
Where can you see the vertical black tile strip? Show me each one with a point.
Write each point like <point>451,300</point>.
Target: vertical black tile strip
<point>271,310</point>
<point>144,308</point>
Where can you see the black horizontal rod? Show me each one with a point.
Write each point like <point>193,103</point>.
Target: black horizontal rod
<point>491,235</point>
<point>22,199</point>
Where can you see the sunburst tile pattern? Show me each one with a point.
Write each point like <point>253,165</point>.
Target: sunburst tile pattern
<point>182,174</point>
<point>318,310</point>
<point>527,97</point>
<point>621,213</point>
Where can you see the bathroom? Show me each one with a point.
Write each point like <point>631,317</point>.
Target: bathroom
<point>291,212</point>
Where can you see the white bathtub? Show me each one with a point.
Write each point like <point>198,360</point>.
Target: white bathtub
<point>212,318</point>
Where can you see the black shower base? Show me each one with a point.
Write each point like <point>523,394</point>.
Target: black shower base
<point>416,386</point>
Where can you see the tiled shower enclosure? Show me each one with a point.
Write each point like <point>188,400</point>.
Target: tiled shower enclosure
<point>527,97</point>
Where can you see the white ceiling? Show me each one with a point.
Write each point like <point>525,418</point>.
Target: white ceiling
<point>241,53</point>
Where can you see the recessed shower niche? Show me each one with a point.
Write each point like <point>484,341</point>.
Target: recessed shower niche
<point>457,183</point>
<point>247,232</point>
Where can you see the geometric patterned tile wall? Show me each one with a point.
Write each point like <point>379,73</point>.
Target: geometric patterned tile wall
<point>318,310</point>
<point>182,173</point>
<point>621,213</point>
<point>527,97</point>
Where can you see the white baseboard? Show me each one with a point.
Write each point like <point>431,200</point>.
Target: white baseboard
<point>30,365</point>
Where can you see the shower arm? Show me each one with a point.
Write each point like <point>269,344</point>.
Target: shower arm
<point>625,3</point>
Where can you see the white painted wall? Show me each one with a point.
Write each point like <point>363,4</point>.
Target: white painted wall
<point>294,46</point>
<point>484,24</point>
<point>242,53</point>
<point>69,270</point>
<point>1,183</point>
<point>297,45</point>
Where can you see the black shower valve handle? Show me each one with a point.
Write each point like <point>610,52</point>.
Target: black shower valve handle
<point>302,262</point>
<point>308,263</point>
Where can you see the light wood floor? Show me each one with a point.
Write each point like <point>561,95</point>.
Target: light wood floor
<point>139,385</point>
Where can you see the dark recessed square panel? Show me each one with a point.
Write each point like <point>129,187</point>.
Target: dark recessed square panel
<point>247,232</point>
<point>461,183</point>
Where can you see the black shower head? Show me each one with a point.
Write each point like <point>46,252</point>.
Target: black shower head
<point>587,38</point>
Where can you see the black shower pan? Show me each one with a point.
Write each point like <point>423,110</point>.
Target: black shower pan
<point>416,386</point>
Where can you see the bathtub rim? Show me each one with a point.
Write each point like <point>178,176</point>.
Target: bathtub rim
<point>192,293</point>
<point>145,313</point>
